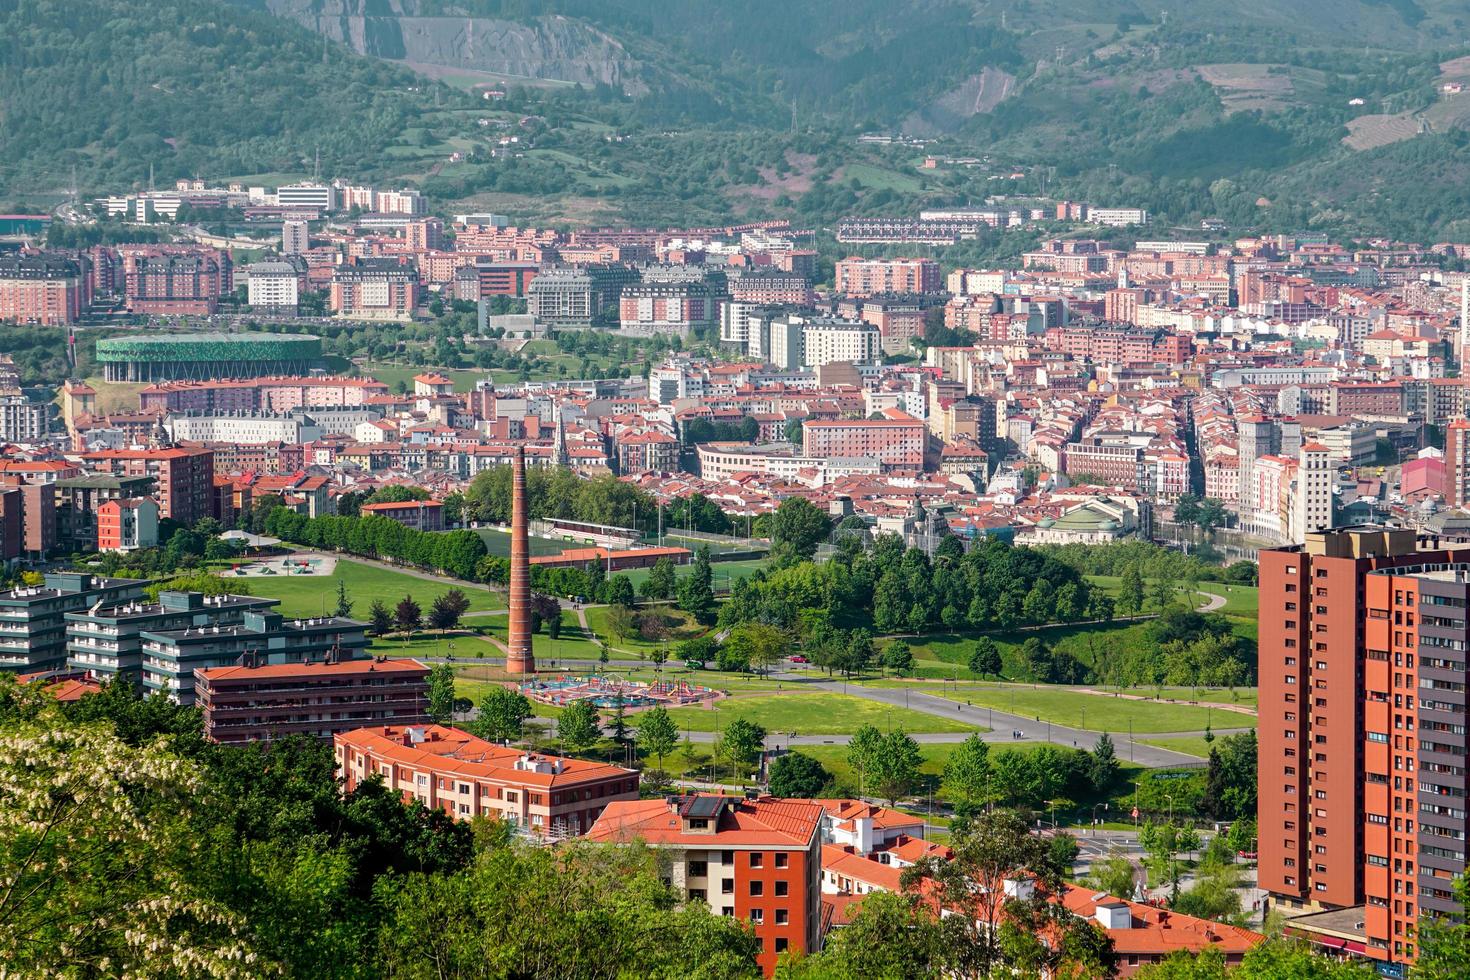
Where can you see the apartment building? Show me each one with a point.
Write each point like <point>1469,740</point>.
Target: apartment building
<point>272,288</point>
<point>127,524</point>
<point>32,618</point>
<point>867,277</point>
<point>896,440</point>
<point>451,770</point>
<point>1345,717</point>
<point>174,280</point>
<point>253,702</point>
<point>759,860</point>
<point>171,656</point>
<point>375,289</point>
<point>22,420</point>
<point>106,639</point>
<point>45,289</point>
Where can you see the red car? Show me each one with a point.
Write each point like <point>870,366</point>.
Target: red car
<point>799,659</point>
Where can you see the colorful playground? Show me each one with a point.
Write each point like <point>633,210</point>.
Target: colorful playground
<point>605,692</point>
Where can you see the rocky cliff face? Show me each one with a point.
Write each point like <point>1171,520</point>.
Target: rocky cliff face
<point>553,48</point>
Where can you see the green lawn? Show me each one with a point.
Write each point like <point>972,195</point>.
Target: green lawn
<point>1241,601</point>
<point>391,374</point>
<point>681,625</point>
<point>812,714</point>
<point>725,572</point>
<point>1192,745</point>
<point>1072,708</point>
<point>463,645</point>
<point>316,595</point>
<point>573,644</point>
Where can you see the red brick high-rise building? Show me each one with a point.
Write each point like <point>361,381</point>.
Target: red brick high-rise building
<point>50,290</point>
<point>1341,788</point>
<point>185,477</point>
<point>867,277</point>
<point>172,280</point>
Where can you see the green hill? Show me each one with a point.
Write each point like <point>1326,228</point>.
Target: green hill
<point>107,88</point>
<point>1272,115</point>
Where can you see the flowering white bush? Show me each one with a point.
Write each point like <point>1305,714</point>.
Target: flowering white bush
<point>94,836</point>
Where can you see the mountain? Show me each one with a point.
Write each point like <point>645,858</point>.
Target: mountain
<point>108,91</point>
<point>1340,115</point>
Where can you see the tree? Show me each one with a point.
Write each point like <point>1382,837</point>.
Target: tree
<point>619,720</point>
<point>344,604</point>
<point>967,776</point>
<point>756,645</point>
<point>895,766</point>
<point>985,659</point>
<point>503,715</point>
<point>892,936</point>
<point>1114,874</point>
<point>579,726</point>
<point>1230,778</point>
<point>662,581</point>
<point>380,619</point>
<point>1103,764</point>
<point>97,855</point>
<point>897,657</point>
<point>441,692</point>
<point>1131,595</point>
<point>657,733</point>
<point>443,614</point>
<point>796,528</point>
<point>862,751</point>
<point>798,776</point>
<point>696,591</point>
<point>526,911</point>
<point>408,615</point>
<point>619,592</point>
<point>1444,942</point>
<point>741,741</point>
<point>990,850</point>
<point>622,625</point>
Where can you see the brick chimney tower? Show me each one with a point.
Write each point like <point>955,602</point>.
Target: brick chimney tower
<point>519,660</point>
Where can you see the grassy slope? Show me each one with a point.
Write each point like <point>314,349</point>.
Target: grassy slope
<point>314,595</point>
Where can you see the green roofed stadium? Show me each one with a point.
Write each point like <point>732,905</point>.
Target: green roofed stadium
<point>202,356</point>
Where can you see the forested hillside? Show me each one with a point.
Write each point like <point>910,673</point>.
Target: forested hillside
<point>106,88</point>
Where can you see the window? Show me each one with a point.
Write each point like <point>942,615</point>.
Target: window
<point>757,916</point>
<point>781,889</point>
<point>698,869</point>
<point>757,859</point>
<point>782,917</point>
<point>727,886</point>
<point>696,894</point>
<point>783,860</point>
<point>781,943</point>
<point>757,888</point>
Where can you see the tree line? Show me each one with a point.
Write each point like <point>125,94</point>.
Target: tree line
<point>456,553</point>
